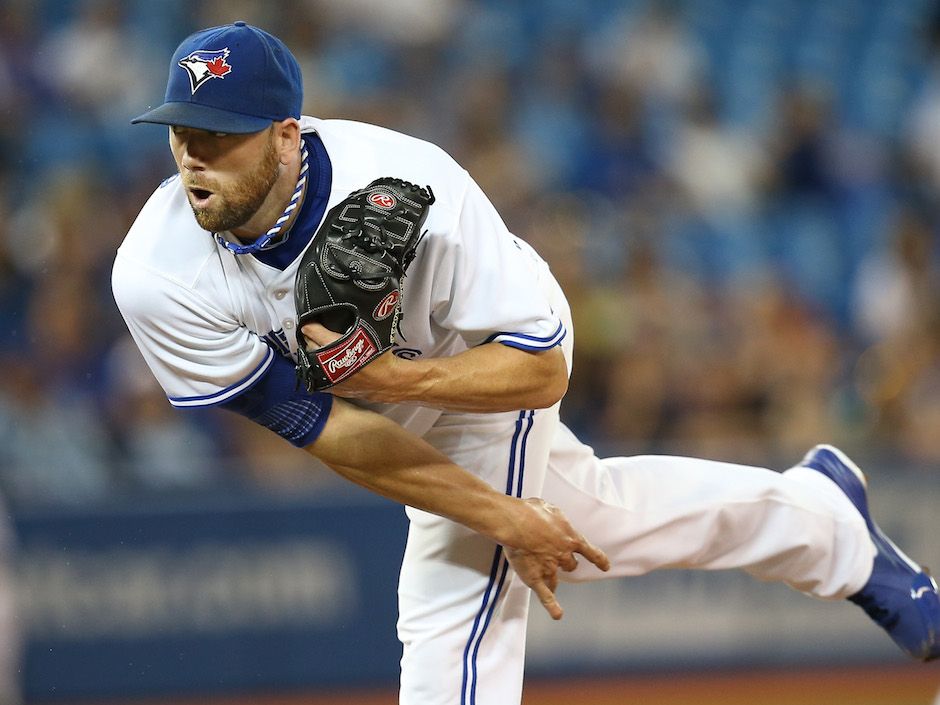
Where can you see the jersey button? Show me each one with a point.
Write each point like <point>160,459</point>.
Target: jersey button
<point>288,323</point>
<point>280,294</point>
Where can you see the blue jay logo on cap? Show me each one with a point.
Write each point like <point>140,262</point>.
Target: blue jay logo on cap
<point>203,65</point>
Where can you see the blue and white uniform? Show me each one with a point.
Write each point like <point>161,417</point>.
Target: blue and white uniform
<point>217,328</point>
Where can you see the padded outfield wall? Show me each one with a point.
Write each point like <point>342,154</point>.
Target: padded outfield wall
<point>247,595</point>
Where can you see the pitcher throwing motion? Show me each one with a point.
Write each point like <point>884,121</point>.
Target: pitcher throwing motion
<point>482,348</point>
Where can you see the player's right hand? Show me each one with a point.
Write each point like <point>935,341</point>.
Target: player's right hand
<point>544,543</point>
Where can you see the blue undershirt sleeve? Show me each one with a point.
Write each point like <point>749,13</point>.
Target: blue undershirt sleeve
<point>276,402</point>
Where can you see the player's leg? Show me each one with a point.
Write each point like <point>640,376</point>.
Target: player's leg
<point>652,512</point>
<point>462,618</point>
<point>808,527</point>
<point>462,611</point>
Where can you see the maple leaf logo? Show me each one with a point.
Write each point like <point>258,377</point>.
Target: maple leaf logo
<point>203,65</point>
<point>218,67</point>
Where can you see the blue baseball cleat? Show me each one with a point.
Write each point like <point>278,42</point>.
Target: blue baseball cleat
<point>900,595</point>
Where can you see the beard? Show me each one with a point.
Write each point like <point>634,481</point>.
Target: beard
<point>236,204</point>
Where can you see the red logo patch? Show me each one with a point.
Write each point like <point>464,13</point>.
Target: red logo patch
<point>386,306</point>
<point>382,200</point>
<point>218,67</point>
<point>341,361</point>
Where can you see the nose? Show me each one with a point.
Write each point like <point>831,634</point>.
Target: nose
<point>195,148</point>
<point>193,155</point>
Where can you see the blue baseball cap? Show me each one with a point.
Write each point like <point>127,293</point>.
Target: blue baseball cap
<point>235,78</point>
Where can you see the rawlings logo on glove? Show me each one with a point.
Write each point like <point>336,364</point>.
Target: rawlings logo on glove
<point>338,363</point>
<point>350,278</point>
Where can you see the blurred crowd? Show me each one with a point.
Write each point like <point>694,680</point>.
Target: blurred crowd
<point>739,197</point>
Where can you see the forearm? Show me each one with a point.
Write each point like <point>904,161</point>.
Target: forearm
<point>381,456</point>
<point>488,378</point>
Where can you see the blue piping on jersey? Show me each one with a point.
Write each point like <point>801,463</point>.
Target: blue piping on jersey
<point>531,348</point>
<point>470,661</point>
<point>522,453</point>
<point>230,391</point>
<point>530,342</point>
<point>500,566</point>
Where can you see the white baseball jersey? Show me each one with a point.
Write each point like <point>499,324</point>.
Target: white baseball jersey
<point>210,323</point>
<point>218,328</point>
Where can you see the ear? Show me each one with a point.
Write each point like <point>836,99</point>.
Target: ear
<point>287,139</point>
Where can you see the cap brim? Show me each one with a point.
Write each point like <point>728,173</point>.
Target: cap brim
<point>202,117</point>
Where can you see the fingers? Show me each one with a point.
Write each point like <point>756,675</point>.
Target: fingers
<point>550,544</point>
<point>319,335</point>
<point>593,554</point>
<point>580,544</point>
<point>567,562</point>
<point>540,575</point>
<point>547,597</point>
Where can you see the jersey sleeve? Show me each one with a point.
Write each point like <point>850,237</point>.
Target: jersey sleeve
<point>200,355</point>
<point>489,285</point>
<point>203,357</point>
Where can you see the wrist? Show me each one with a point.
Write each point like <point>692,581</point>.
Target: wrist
<point>504,524</point>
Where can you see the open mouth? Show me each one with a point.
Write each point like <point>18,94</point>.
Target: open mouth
<point>200,196</point>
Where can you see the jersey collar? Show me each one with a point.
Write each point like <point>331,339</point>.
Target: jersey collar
<point>310,211</point>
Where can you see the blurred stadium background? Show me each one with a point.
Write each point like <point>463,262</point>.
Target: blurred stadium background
<point>740,197</point>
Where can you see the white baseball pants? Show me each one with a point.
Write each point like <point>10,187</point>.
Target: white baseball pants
<point>463,613</point>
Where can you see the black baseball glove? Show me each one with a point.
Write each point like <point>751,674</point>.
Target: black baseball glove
<point>350,278</point>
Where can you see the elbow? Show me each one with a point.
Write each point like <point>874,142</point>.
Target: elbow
<point>553,384</point>
<point>548,396</point>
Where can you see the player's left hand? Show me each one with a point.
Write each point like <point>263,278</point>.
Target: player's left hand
<point>374,382</point>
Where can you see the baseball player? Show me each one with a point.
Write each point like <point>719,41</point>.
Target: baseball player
<point>482,355</point>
